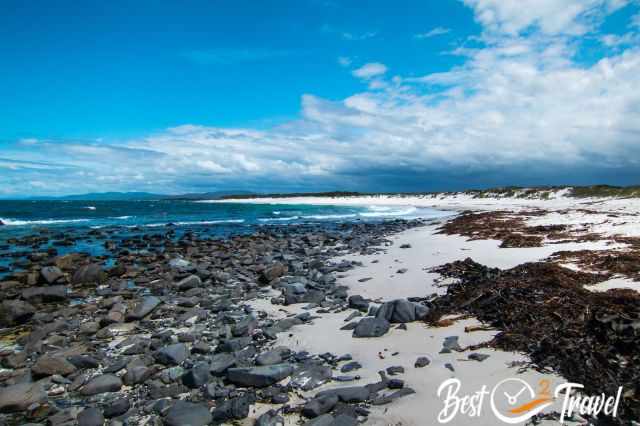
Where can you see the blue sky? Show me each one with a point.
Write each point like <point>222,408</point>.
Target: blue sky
<point>317,94</point>
<point>120,69</point>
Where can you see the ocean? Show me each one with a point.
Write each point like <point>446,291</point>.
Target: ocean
<point>68,226</point>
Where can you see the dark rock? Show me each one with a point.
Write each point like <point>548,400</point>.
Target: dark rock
<point>184,413</point>
<point>19,397</point>
<point>244,327</point>
<point>273,356</point>
<point>344,420</point>
<point>89,274</point>
<point>259,376</point>
<point>83,361</point>
<point>102,384</point>
<point>143,308</point>
<point>392,371</point>
<point>281,398</point>
<point>48,365</point>
<point>422,361</point>
<point>64,417</point>
<point>350,326</point>
<point>478,357</point>
<point>117,408</point>
<point>197,376</point>
<point>270,418</point>
<point>449,366</point>
<point>395,384</point>
<point>386,399</point>
<point>319,406</point>
<point>192,281</point>
<point>234,345</point>
<point>350,366</point>
<point>51,274</point>
<point>310,376</point>
<point>220,363</point>
<point>233,409</point>
<point>402,311</point>
<point>323,420</point>
<point>15,312</point>
<point>450,344</point>
<point>272,272</point>
<point>358,302</point>
<point>90,416</point>
<point>348,394</point>
<point>172,355</point>
<point>56,293</point>
<point>371,327</point>
<point>137,374</point>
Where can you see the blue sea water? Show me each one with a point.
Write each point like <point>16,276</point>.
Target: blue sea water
<point>72,220</point>
<point>21,216</point>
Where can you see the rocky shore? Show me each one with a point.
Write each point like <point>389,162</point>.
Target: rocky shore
<point>163,332</point>
<point>345,324</point>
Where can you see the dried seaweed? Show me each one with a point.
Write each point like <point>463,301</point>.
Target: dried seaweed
<point>545,311</point>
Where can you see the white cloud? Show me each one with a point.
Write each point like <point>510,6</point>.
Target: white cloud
<point>372,69</point>
<point>518,105</point>
<point>573,17</point>
<point>344,61</point>
<point>433,33</point>
<point>348,35</point>
<point>615,40</point>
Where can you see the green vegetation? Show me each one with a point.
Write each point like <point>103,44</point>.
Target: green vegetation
<point>605,191</point>
<point>541,192</point>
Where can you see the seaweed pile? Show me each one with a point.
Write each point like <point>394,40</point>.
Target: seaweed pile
<point>544,310</point>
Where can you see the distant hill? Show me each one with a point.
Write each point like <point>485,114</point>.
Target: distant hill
<point>210,195</point>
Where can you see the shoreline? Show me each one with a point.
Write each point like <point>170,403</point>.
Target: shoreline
<point>292,286</point>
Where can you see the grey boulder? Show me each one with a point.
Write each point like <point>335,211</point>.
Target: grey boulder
<point>371,327</point>
<point>15,312</point>
<point>192,281</point>
<point>188,414</point>
<point>402,311</point>
<point>172,355</point>
<point>102,384</point>
<point>55,293</point>
<point>90,416</point>
<point>51,274</point>
<point>143,308</point>
<point>19,397</point>
<point>259,377</point>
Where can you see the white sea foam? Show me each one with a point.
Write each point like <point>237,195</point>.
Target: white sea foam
<point>330,216</point>
<point>384,211</point>
<point>18,222</point>
<point>90,207</point>
<point>278,219</point>
<point>200,222</point>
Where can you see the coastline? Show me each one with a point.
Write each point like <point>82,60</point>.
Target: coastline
<point>239,299</point>
<point>608,218</point>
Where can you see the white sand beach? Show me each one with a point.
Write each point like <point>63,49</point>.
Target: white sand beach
<point>429,249</point>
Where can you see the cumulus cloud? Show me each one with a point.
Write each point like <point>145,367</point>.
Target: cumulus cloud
<point>372,69</point>
<point>573,17</point>
<point>433,33</point>
<point>520,109</point>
